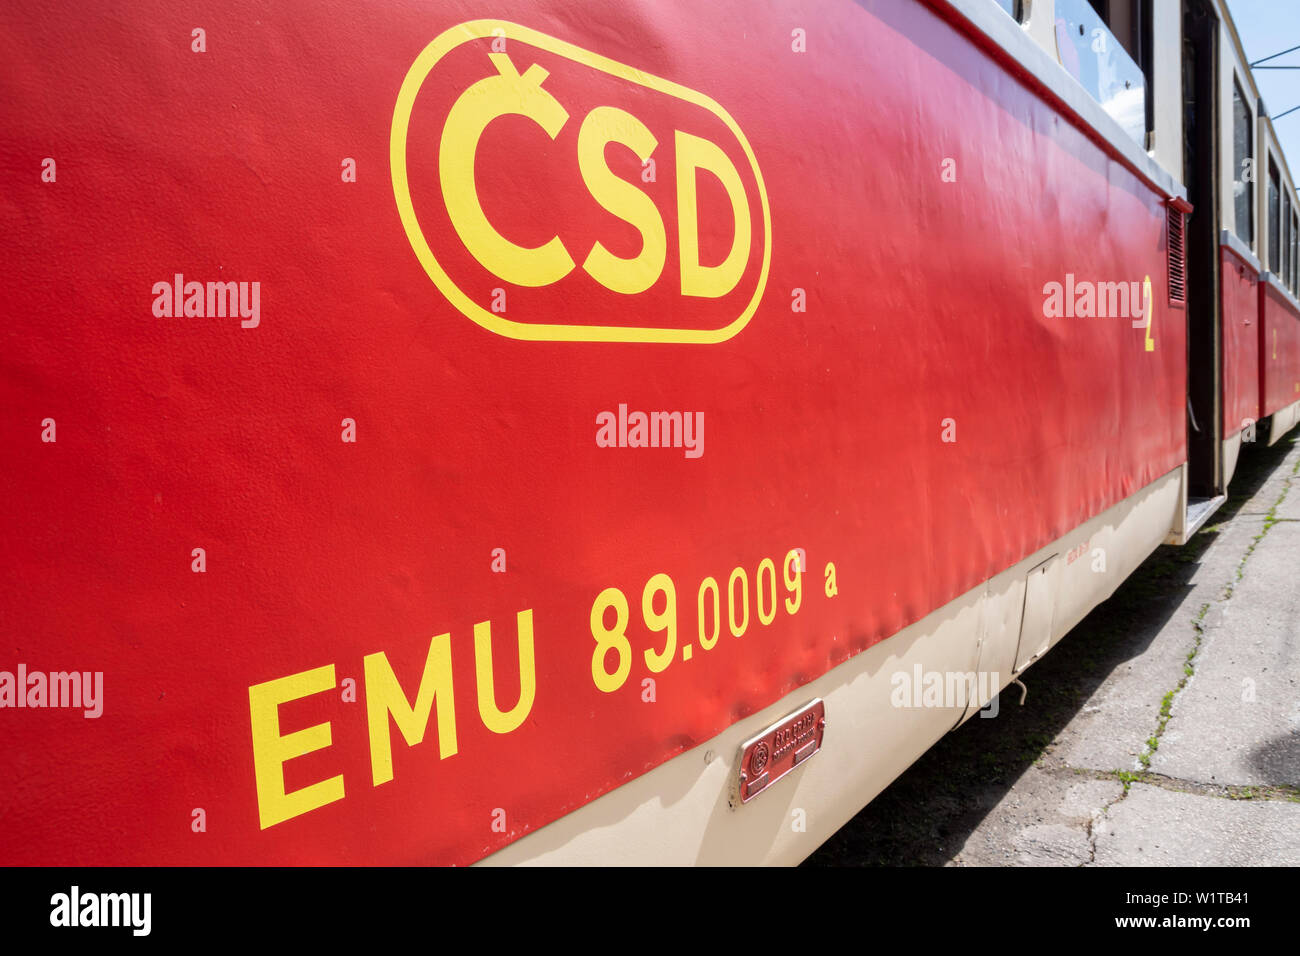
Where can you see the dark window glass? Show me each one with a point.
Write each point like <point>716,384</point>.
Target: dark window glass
<point>1295,252</point>
<point>1124,20</point>
<point>1286,239</point>
<point>1243,163</point>
<point>1099,60</point>
<point>1129,22</point>
<point>1274,219</point>
<point>1012,7</point>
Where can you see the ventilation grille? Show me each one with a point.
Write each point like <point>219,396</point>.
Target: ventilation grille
<point>1177,259</point>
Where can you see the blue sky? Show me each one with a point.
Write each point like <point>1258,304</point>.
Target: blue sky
<point>1267,27</point>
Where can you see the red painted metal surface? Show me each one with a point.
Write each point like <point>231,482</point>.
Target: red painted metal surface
<point>1240,298</point>
<point>824,429</point>
<point>1279,351</point>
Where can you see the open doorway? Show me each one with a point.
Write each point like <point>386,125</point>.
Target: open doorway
<point>1201,177</point>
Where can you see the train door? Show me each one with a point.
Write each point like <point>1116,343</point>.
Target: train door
<point>1201,176</point>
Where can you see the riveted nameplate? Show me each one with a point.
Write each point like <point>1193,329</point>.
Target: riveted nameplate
<point>779,749</point>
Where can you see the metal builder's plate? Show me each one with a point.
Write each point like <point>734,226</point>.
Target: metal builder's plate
<point>780,748</point>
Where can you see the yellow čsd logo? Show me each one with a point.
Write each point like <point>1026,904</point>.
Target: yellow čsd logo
<point>516,88</point>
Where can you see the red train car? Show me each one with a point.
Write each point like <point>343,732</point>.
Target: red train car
<point>1279,356</point>
<point>1256,200</point>
<point>438,434</point>
<point>1278,307</point>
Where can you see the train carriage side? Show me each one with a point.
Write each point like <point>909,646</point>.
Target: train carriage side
<point>1278,307</point>
<point>970,435</point>
<point>1002,626</point>
<point>1242,261</point>
<point>1241,244</point>
<point>1236,377</point>
<point>1259,310</point>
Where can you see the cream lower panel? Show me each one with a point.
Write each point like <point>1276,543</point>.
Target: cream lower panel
<point>679,813</point>
<point>1283,421</point>
<point>1112,546</point>
<point>1231,450</point>
<point>1092,561</point>
<point>1178,531</point>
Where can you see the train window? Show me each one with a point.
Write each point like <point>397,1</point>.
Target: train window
<point>1288,244</point>
<point>1013,7</point>
<point>1129,21</point>
<point>1286,239</point>
<point>1295,251</point>
<point>1274,219</point>
<point>1124,20</point>
<point>1102,62</point>
<point>1243,176</point>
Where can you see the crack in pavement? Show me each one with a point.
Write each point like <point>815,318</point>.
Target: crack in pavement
<point>1143,775</point>
<point>1224,791</point>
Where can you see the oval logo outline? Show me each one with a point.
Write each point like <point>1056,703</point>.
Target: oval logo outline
<point>419,71</point>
